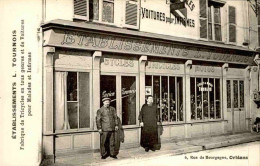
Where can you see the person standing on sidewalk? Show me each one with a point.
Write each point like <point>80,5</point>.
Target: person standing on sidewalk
<point>149,119</point>
<point>107,124</point>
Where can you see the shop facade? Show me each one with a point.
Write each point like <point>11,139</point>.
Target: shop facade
<point>200,88</point>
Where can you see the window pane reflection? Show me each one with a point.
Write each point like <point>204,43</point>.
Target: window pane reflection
<point>128,92</point>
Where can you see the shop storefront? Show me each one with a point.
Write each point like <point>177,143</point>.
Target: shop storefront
<point>193,84</point>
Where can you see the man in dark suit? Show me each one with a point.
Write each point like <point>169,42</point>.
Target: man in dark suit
<point>107,124</point>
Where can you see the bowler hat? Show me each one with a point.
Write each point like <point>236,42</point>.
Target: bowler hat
<point>106,98</point>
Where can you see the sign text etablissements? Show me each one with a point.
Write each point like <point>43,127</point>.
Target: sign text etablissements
<point>138,46</point>
<point>21,84</point>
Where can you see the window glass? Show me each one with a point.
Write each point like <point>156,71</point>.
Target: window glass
<point>235,89</point>
<point>93,9</point>
<point>241,92</point>
<point>84,96</point>
<point>218,101</point>
<point>180,98</point>
<point>73,114</point>
<point>205,100</point>
<point>228,94</point>
<point>218,32</point>
<point>108,11</point>
<point>156,91</point>
<point>128,92</point>
<point>164,94</point>
<point>199,98</point>
<point>173,112</point>
<point>72,92</point>
<point>192,98</point>
<point>217,15</point>
<point>212,98</point>
<point>108,89</point>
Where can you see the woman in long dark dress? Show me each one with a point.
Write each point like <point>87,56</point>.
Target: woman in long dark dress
<point>148,118</point>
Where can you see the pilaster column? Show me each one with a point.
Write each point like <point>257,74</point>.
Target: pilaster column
<point>247,90</point>
<point>187,107</point>
<point>142,62</point>
<point>48,103</point>
<point>95,95</point>
<point>224,113</point>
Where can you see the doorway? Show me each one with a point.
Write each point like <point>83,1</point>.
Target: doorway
<point>236,104</point>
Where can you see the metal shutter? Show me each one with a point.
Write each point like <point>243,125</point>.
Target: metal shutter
<point>81,9</point>
<point>203,19</point>
<point>132,14</point>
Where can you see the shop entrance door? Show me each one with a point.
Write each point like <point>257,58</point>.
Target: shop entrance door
<point>122,91</point>
<point>236,104</point>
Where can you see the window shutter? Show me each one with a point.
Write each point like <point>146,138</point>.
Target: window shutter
<point>232,23</point>
<point>132,14</point>
<point>81,9</point>
<point>203,19</point>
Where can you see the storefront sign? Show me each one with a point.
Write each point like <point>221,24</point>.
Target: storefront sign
<point>205,86</point>
<point>161,16</point>
<point>205,69</point>
<point>124,93</point>
<point>167,66</point>
<point>109,43</point>
<point>118,62</point>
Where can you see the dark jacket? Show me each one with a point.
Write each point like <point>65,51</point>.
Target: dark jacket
<point>106,119</point>
<point>119,136</point>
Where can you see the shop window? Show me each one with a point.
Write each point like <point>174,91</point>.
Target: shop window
<point>205,98</point>
<point>127,96</point>
<point>72,96</point>
<point>210,20</point>
<point>168,96</point>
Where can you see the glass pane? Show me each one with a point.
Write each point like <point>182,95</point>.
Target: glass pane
<point>228,94</point>
<point>217,15</point>
<point>210,31</point>
<point>218,32</point>
<point>199,98</point>
<point>205,98</point>
<point>84,104</point>
<point>148,80</point>
<point>172,99</point>
<point>156,91</point>
<point>164,105</point>
<point>72,86</point>
<point>128,91</point>
<point>209,14</point>
<point>241,97</point>
<point>218,102</point>
<point>180,99</point>
<point>108,12</point>
<point>93,9</point>
<point>235,89</point>
<point>192,98</point>
<point>211,98</point>
<point>108,89</point>
<point>73,114</point>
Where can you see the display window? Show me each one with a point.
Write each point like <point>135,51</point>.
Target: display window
<point>167,92</point>
<point>205,98</point>
<point>72,100</point>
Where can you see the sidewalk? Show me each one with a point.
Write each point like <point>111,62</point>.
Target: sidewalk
<point>126,156</point>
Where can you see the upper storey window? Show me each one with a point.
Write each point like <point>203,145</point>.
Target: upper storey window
<point>105,11</point>
<point>210,20</point>
<point>98,10</point>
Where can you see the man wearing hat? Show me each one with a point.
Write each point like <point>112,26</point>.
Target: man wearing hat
<point>107,124</point>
